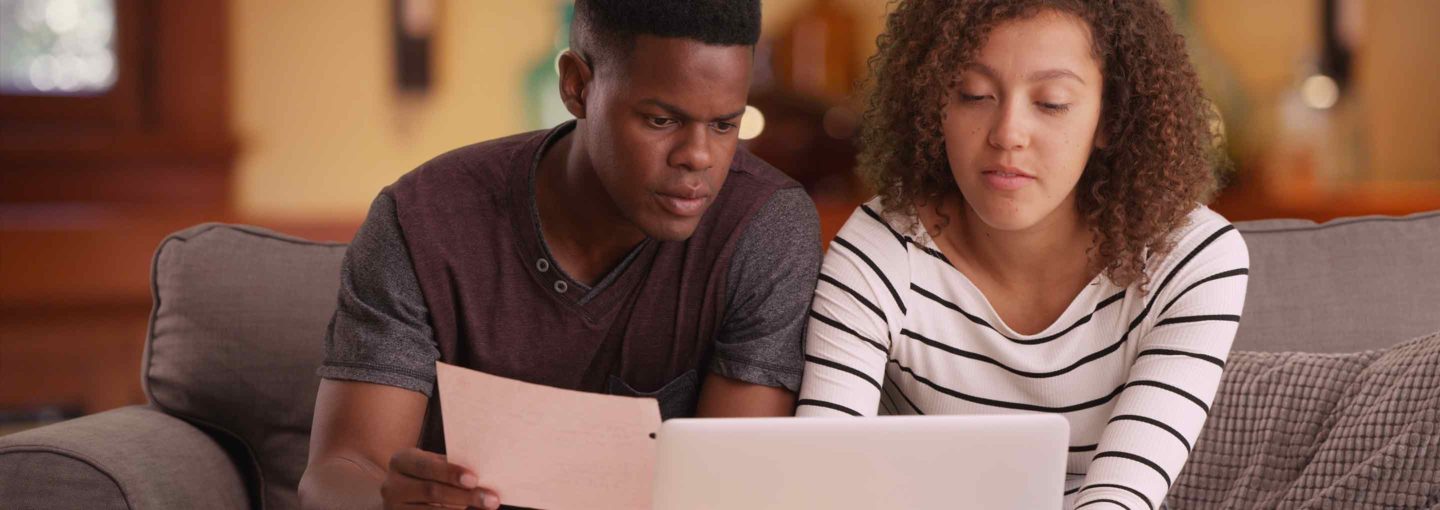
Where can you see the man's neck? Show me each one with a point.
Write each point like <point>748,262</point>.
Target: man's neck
<point>583,229</point>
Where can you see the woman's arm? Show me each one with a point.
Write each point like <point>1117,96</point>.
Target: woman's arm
<point>1173,380</point>
<point>847,340</point>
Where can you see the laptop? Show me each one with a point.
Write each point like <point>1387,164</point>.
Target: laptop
<point>909,462</point>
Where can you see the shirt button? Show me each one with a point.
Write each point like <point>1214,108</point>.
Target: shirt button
<point>542,264</point>
<point>561,286</point>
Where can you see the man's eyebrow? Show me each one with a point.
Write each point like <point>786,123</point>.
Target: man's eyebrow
<point>731,116</point>
<point>681,114</point>
<point>1047,74</point>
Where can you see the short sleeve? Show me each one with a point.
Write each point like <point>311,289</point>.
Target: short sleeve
<point>380,332</point>
<point>769,286</point>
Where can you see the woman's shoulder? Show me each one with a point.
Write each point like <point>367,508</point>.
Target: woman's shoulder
<point>874,233</point>
<point>1204,224</point>
<point>1206,240</point>
<point>872,221</point>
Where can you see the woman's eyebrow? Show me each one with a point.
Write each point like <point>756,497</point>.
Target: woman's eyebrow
<point>1052,74</point>
<point>1042,75</point>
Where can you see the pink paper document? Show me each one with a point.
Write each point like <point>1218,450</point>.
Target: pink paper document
<point>543,447</point>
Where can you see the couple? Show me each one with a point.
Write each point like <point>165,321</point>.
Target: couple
<point>1038,244</point>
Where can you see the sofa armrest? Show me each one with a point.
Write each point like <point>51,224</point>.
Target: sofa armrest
<point>134,457</point>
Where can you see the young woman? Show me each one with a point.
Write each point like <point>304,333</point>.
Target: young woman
<point>1039,242</point>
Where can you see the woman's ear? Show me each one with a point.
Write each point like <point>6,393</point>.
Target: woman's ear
<point>1102,135</point>
<point>575,77</point>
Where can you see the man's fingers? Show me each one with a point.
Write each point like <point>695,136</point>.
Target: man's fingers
<point>400,489</point>
<point>424,465</point>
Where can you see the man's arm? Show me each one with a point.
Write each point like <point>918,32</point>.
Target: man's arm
<point>379,368</point>
<point>722,397</point>
<point>363,455</point>
<point>758,355</point>
<point>356,429</point>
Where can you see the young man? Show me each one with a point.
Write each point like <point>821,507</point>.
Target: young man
<point>633,251</point>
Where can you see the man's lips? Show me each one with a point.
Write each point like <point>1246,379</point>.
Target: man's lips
<point>686,204</point>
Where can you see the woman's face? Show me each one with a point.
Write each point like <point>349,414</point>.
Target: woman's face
<point>1021,121</point>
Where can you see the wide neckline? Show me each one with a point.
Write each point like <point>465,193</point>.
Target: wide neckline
<point>1078,306</point>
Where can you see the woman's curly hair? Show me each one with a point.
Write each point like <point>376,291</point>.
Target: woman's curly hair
<point>1161,157</point>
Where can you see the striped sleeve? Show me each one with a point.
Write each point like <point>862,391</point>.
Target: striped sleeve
<point>1185,331</point>
<point>857,300</point>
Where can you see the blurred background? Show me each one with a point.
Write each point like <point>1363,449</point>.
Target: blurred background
<point>124,120</point>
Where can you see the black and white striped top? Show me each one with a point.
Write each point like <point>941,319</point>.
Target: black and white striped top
<point>896,329</point>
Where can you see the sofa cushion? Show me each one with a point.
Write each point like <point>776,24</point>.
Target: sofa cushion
<point>1311,430</point>
<point>126,458</point>
<point>236,334</point>
<point>1343,286</point>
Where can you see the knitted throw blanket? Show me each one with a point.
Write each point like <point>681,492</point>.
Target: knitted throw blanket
<point>1307,430</point>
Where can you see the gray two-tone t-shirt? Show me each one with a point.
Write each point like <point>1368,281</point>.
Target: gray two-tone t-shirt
<point>381,331</point>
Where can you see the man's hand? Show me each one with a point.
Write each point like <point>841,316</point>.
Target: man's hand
<point>420,479</point>
<point>363,455</point>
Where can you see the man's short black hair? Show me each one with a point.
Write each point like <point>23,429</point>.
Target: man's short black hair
<point>603,29</point>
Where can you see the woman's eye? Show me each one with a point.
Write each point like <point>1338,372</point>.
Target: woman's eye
<point>1054,107</point>
<point>661,121</point>
<point>972,97</point>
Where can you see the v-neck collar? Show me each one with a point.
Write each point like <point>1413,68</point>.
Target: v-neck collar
<point>592,300</point>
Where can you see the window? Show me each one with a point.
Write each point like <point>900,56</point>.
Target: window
<point>57,47</point>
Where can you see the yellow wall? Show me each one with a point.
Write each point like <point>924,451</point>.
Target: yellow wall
<point>320,125</point>
<point>1398,75</point>
<point>322,129</point>
<point>1269,46</point>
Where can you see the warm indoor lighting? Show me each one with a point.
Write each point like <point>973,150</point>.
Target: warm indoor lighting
<point>751,123</point>
<point>1320,92</point>
<point>840,122</point>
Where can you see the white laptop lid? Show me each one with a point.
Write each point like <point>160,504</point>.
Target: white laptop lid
<point>909,462</point>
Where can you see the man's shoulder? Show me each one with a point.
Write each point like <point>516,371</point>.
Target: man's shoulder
<point>751,184</point>
<point>749,169</point>
<point>481,165</point>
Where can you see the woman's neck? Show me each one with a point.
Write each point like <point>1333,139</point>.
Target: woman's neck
<point>1049,254</point>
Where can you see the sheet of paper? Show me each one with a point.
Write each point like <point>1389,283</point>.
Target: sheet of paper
<point>548,448</point>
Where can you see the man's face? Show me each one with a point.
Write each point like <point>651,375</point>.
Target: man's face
<point>662,126</point>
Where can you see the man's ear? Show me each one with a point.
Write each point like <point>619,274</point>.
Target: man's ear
<point>575,77</point>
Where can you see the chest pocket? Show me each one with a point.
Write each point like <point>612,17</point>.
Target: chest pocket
<point>677,398</point>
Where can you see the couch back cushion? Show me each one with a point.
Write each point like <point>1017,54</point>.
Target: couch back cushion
<point>1343,286</point>
<point>236,334</point>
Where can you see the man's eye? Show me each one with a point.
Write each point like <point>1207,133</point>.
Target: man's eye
<point>661,121</point>
<point>724,127</point>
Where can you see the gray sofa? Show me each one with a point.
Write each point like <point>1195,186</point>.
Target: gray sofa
<point>240,313</point>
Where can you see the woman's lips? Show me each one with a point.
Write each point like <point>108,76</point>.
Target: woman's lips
<point>1007,179</point>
